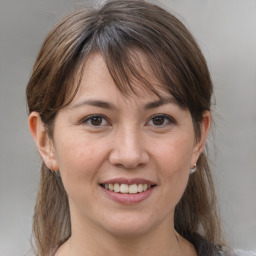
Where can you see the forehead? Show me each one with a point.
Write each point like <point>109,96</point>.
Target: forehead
<point>97,81</point>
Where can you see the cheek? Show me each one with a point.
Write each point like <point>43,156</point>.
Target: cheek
<point>176,154</point>
<point>78,161</point>
<point>174,160</point>
<point>75,151</point>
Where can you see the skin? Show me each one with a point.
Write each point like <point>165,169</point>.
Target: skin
<point>125,140</point>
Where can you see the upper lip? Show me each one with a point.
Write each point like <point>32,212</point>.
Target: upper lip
<point>127,181</point>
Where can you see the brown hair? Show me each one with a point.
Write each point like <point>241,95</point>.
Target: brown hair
<point>119,30</point>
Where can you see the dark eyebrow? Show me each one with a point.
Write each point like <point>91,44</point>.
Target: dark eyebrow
<point>108,105</point>
<point>160,102</point>
<point>96,103</point>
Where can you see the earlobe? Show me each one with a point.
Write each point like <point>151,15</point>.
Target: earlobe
<point>43,142</point>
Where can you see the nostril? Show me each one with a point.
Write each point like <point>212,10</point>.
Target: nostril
<point>130,161</point>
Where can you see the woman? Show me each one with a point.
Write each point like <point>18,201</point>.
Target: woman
<point>120,109</point>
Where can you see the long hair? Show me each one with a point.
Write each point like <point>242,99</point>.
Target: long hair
<point>121,31</point>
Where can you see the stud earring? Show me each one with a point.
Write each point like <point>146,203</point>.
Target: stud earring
<point>57,173</point>
<point>192,170</point>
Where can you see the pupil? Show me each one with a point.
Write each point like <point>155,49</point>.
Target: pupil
<point>96,120</point>
<point>159,120</point>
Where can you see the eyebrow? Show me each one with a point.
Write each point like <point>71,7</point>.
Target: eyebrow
<point>96,103</point>
<point>108,105</point>
<point>160,102</point>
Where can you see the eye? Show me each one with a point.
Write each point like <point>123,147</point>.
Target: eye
<point>96,121</point>
<point>161,120</point>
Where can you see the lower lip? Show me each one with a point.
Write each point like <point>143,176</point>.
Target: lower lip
<point>128,198</point>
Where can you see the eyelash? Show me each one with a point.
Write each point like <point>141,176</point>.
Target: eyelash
<point>90,118</point>
<point>168,120</point>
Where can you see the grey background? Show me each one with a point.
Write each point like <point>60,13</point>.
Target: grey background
<point>226,32</point>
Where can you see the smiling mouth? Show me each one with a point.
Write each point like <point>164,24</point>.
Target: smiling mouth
<point>127,189</point>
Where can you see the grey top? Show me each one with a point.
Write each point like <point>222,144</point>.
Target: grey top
<point>245,253</point>
<point>240,253</point>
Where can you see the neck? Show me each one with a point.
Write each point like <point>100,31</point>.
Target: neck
<point>149,245</point>
<point>88,239</point>
<point>155,243</point>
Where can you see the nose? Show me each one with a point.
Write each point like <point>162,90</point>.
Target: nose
<point>128,149</point>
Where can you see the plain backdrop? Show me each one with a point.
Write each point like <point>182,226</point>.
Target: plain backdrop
<point>226,32</point>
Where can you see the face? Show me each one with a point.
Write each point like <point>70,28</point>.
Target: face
<point>124,161</point>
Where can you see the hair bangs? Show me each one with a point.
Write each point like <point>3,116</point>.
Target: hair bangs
<point>136,66</point>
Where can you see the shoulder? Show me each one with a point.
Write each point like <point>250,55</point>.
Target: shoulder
<point>245,253</point>
<point>238,253</point>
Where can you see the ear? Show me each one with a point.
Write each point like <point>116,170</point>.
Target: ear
<point>200,144</point>
<point>43,142</point>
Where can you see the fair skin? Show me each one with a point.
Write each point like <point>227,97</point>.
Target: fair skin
<point>128,140</point>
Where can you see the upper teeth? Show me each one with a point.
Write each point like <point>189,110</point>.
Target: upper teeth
<point>125,188</point>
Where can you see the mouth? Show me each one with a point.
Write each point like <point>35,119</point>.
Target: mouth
<point>128,191</point>
<point>126,188</point>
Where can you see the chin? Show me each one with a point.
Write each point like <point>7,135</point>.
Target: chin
<point>130,225</point>
<point>128,231</point>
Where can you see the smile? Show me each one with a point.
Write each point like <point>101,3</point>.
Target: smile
<point>127,189</point>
